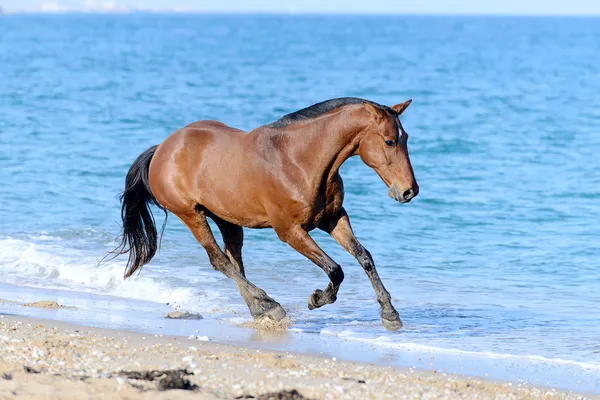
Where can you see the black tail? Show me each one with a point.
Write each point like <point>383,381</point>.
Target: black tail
<point>139,230</point>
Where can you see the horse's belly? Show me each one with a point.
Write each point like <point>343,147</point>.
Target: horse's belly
<point>238,212</point>
<point>256,224</point>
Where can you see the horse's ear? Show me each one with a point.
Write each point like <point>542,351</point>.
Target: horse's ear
<point>399,108</point>
<point>374,111</point>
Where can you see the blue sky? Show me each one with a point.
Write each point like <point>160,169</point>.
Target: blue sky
<point>568,7</point>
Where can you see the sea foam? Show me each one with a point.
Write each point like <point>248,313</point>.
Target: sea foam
<point>49,265</point>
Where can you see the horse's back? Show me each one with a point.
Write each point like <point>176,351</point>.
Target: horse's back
<point>213,126</point>
<point>205,163</point>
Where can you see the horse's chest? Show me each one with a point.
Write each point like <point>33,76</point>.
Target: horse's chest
<point>327,204</point>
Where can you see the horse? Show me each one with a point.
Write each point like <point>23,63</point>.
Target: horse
<point>284,176</point>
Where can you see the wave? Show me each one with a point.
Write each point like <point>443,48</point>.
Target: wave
<point>385,342</point>
<point>50,265</point>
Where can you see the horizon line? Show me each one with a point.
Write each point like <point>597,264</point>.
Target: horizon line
<point>129,11</point>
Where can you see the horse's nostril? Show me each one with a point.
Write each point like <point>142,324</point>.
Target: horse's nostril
<point>409,194</point>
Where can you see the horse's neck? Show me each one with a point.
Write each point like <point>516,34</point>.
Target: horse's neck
<point>331,141</point>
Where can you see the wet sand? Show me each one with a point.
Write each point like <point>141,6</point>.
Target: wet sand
<point>48,359</point>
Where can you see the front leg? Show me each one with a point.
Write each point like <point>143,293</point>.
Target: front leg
<point>300,240</point>
<point>340,229</point>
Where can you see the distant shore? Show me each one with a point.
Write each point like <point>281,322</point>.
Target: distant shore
<point>50,359</point>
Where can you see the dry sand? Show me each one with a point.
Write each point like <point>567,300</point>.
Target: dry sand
<point>42,359</point>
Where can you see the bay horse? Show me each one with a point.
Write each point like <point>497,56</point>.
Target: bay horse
<point>284,176</point>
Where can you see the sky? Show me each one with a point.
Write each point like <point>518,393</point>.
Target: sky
<point>524,7</point>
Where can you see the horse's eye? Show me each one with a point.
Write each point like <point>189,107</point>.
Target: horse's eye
<point>390,143</point>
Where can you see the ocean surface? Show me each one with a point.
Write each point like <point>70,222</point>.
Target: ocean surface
<point>499,255</point>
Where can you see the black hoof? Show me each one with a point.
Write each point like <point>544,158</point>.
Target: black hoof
<point>316,300</point>
<point>276,314</point>
<point>391,325</point>
<point>391,320</point>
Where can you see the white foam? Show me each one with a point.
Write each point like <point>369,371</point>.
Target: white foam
<point>387,342</point>
<point>47,265</point>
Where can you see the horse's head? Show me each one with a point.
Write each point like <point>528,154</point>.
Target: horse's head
<point>383,147</point>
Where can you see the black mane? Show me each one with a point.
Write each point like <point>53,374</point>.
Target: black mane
<point>319,109</point>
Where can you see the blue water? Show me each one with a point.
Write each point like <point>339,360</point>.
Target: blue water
<point>498,254</point>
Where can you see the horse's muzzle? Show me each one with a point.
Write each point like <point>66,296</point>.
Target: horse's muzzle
<point>405,196</point>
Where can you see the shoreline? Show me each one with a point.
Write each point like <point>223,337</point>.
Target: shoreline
<point>147,318</point>
<point>72,361</point>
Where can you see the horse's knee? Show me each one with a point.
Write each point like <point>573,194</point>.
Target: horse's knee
<point>368,265</point>
<point>337,275</point>
<point>366,261</point>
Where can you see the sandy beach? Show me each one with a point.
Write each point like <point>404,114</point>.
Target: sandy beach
<point>49,359</point>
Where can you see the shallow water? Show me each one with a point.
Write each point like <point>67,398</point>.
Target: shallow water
<point>498,254</point>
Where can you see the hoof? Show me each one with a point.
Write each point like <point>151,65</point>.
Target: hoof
<point>391,325</point>
<point>276,314</point>
<point>315,300</point>
<point>391,320</point>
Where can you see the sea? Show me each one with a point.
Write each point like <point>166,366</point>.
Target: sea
<point>498,258</point>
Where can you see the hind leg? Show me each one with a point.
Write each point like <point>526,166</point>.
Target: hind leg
<point>233,240</point>
<point>259,303</point>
